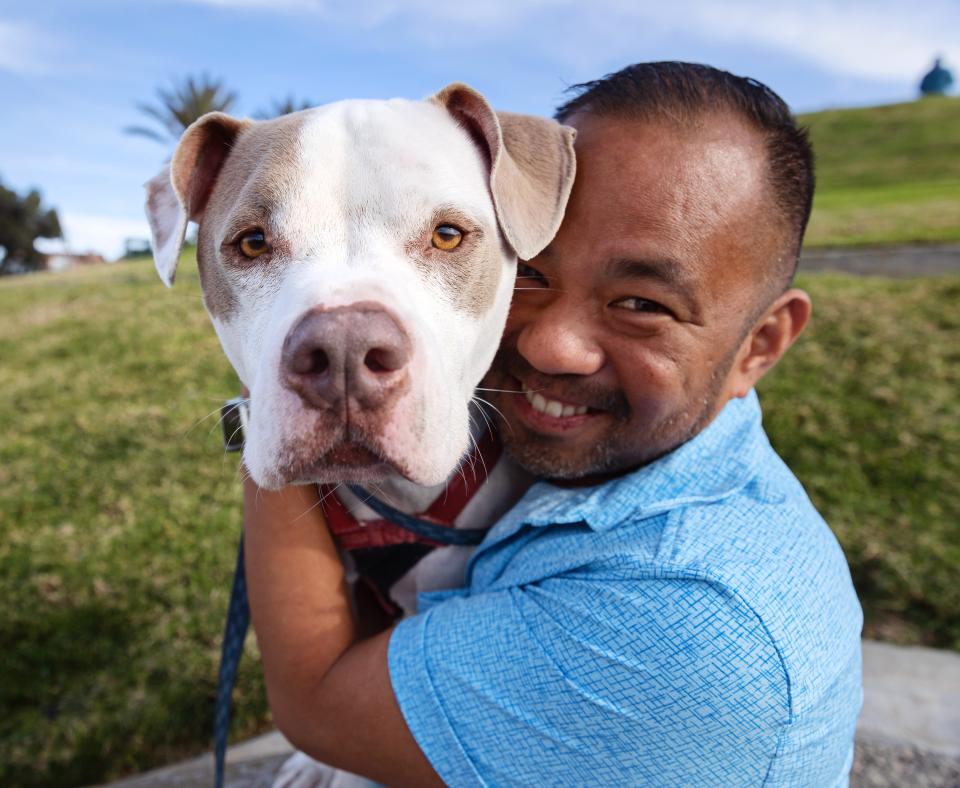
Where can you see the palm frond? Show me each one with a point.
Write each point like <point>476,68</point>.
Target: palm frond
<point>183,103</point>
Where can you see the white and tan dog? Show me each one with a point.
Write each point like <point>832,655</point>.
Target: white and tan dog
<point>357,261</point>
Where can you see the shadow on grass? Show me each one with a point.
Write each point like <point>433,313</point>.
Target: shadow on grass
<point>75,714</point>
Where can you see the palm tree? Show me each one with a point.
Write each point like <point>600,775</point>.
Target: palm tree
<point>284,107</point>
<point>181,105</point>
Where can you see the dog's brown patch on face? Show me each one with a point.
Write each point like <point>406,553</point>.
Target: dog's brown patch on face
<point>260,172</point>
<point>471,272</point>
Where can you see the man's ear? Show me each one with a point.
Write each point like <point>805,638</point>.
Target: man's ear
<point>532,166</point>
<point>771,337</point>
<point>180,191</point>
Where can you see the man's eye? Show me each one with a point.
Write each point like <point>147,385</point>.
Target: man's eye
<point>635,304</point>
<point>529,277</point>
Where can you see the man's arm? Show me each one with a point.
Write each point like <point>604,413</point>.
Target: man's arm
<point>330,693</point>
<point>606,674</point>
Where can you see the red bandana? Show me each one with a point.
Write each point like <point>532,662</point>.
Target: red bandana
<point>353,534</point>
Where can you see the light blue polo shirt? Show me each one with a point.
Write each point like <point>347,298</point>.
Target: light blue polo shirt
<point>691,623</point>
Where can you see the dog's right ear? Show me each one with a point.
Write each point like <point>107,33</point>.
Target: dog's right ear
<point>180,191</point>
<point>532,166</point>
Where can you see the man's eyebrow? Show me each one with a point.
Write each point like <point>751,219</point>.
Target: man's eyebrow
<point>669,273</point>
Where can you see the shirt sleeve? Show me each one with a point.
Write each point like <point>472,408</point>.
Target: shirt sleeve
<point>576,681</point>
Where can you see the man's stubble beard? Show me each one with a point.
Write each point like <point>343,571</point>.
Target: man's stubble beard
<point>618,451</point>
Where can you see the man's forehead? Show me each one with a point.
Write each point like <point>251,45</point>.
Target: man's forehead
<point>700,157</point>
<point>690,199</point>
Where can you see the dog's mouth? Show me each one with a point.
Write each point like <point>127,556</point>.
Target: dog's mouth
<point>352,454</point>
<point>351,461</point>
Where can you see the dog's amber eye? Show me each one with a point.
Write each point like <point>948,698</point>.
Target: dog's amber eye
<point>446,237</point>
<point>253,244</point>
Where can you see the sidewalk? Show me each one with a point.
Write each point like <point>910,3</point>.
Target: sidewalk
<point>908,734</point>
<point>895,261</point>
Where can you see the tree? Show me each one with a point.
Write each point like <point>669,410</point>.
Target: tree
<point>937,81</point>
<point>181,105</point>
<point>22,221</point>
<point>284,107</point>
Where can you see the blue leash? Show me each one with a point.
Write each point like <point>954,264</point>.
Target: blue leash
<point>234,635</point>
<point>238,613</point>
<point>437,533</point>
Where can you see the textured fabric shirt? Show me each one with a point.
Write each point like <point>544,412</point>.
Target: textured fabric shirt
<point>690,623</point>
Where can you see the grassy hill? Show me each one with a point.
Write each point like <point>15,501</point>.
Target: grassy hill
<point>887,174</point>
<point>119,512</point>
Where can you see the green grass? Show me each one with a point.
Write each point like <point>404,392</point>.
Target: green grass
<point>119,519</point>
<point>119,513</point>
<point>887,174</point>
<point>866,411</point>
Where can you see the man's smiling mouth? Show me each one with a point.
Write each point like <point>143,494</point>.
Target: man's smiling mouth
<point>552,407</point>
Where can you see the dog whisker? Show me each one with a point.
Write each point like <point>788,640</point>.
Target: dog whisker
<point>478,455</point>
<point>490,428</point>
<point>383,496</point>
<point>495,409</point>
<point>506,391</point>
<point>309,509</point>
<point>326,495</point>
<point>200,421</point>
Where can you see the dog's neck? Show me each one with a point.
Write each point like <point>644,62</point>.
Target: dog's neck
<point>412,498</point>
<point>404,495</point>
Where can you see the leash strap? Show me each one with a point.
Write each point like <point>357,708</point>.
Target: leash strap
<point>234,635</point>
<point>437,533</point>
<point>238,614</point>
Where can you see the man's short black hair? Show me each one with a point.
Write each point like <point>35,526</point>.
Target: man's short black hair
<point>682,91</point>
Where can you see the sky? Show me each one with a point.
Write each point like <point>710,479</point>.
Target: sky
<point>72,72</point>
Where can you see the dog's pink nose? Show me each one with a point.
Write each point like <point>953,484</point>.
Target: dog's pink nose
<point>356,353</point>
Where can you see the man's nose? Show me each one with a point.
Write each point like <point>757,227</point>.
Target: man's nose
<point>558,340</point>
<point>357,353</point>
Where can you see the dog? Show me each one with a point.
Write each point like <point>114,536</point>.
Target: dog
<point>357,261</point>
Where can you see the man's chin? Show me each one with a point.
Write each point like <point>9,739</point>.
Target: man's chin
<point>548,461</point>
<point>555,455</point>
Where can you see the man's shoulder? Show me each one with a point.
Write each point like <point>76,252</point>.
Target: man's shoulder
<point>759,543</point>
<point>767,545</point>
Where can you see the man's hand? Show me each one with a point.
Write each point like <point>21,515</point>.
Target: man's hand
<point>330,693</point>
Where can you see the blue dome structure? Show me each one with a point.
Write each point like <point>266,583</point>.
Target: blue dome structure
<point>937,81</point>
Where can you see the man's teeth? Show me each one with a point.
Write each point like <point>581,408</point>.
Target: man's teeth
<point>551,406</point>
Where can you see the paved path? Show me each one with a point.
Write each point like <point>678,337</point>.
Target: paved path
<point>898,261</point>
<point>908,734</point>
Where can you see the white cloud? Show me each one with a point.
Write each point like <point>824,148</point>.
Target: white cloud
<point>24,49</point>
<point>84,232</point>
<point>875,40</point>
<point>884,40</point>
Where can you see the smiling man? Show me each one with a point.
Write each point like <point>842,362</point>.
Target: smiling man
<point>666,607</point>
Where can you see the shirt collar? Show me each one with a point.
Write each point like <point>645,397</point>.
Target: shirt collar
<point>719,460</point>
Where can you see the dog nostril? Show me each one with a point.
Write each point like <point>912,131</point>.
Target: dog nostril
<point>319,362</point>
<point>310,362</point>
<point>381,360</point>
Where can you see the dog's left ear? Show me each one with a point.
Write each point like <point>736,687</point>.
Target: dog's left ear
<point>532,166</point>
<point>180,191</point>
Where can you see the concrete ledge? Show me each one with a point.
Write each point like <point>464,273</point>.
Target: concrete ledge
<point>908,733</point>
<point>911,697</point>
<point>250,764</point>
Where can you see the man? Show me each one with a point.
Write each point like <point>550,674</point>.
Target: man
<point>669,609</point>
